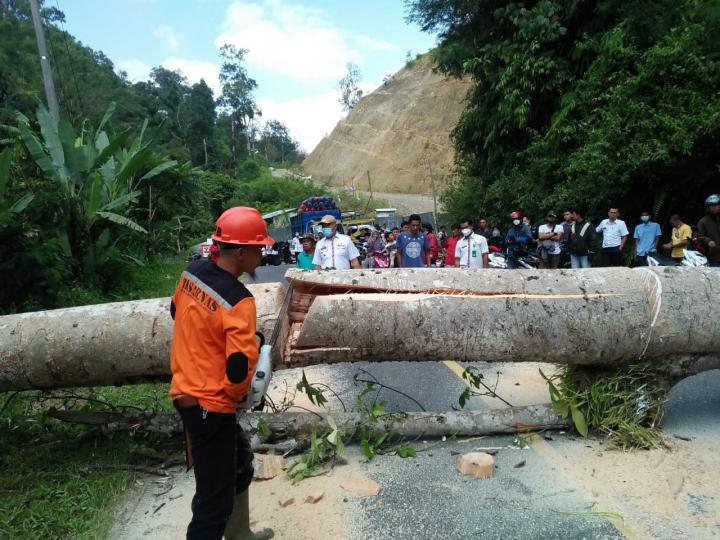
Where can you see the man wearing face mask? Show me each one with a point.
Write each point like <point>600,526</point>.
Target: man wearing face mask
<point>471,250</point>
<point>518,238</point>
<point>334,251</point>
<point>647,234</point>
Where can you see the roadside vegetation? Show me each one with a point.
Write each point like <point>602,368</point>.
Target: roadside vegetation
<point>581,103</point>
<point>104,206</point>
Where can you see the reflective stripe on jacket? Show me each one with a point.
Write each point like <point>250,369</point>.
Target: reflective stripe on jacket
<point>214,349</point>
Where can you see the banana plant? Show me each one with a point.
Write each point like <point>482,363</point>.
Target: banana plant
<point>9,210</point>
<point>99,177</point>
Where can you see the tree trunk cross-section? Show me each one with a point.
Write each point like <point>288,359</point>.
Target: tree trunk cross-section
<point>600,317</point>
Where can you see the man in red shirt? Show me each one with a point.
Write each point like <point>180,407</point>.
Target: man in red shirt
<point>434,243</point>
<point>450,245</point>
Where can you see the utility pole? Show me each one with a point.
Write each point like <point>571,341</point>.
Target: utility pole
<point>371,194</point>
<point>432,183</point>
<point>45,63</point>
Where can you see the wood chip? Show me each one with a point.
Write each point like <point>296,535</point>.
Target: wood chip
<point>284,503</point>
<point>313,498</point>
<point>267,466</point>
<point>361,485</point>
<point>477,464</point>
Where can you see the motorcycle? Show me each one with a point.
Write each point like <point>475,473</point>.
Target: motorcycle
<point>528,259</point>
<point>496,259</point>
<point>691,258</point>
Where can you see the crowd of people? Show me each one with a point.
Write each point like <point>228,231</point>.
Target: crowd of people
<point>571,242</point>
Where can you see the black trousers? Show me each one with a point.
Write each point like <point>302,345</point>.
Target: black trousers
<point>223,466</point>
<point>611,257</point>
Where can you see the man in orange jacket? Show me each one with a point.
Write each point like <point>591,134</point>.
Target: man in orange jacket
<point>213,357</point>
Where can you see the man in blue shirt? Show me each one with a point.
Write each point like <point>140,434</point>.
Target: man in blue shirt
<point>647,234</point>
<point>413,248</point>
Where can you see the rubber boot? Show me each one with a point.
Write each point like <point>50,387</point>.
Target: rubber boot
<point>238,525</point>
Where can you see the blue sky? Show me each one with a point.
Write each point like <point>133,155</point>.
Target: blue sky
<point>297,49</point>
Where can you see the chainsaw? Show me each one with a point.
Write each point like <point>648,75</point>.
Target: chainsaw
<point>255,398</point>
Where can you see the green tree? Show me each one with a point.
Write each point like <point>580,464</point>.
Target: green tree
<point>582,102</point>
<point>236,99</point>
<point>350,92</point>
<point>98,177</point>
<point>276,144</point>
<point>200,122</point>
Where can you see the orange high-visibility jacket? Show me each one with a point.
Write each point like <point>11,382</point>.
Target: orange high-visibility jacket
<point>214,349</point>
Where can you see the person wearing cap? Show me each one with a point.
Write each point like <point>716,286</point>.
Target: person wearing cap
<point>213,357</point>
<point>550,234</point>
<point>334,251</point>
<point>305,257</point>
<point>709,229</point>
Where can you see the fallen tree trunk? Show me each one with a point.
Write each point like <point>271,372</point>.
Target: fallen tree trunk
<point>604,316</point>
<point>290,424</point>
<point>600,317</point>
<point>105,344</point>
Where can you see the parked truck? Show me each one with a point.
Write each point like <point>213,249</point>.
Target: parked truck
<point>310,212</point>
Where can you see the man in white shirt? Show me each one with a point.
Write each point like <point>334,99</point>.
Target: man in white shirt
<point>615,233</point>
<point>550,234</point>
<point>295,246</point>
<point>471,251</point>
<point>334,251</point>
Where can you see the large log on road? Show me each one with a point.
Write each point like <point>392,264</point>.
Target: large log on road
<point>105,344</point>
<point>603,316</point>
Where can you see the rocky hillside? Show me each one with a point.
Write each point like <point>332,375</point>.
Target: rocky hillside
<point>398,133</point>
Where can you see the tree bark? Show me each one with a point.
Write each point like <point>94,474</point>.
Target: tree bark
<point>603,317</point>
<point>106,344</point>
<point>291,424</point>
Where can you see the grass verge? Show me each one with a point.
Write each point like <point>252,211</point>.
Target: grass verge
<point>57,480</point>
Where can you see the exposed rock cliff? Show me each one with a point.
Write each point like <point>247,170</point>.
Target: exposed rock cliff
<point>394,133</point>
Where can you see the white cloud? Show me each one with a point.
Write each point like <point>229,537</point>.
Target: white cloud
<point>290,40</point>
<point>366,42</point>
<point>195,70</point>
<point>136,70</point>
<point>308,118</point>
<point>167,36</point>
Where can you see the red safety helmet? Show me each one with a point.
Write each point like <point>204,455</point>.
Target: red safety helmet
<point>243,226</point>
<point>517,214</point>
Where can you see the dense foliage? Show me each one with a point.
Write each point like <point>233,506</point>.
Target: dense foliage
<point>582,102</point>
<point>131,173</point>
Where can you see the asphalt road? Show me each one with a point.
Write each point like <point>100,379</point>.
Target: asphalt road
<point>425,498</point>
